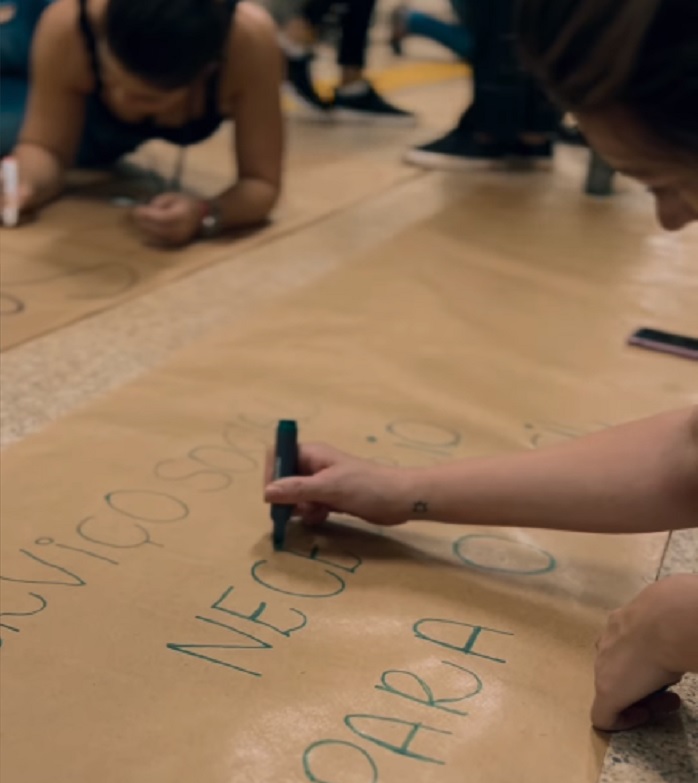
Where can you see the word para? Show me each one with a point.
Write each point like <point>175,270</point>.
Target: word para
<point>327,760</point>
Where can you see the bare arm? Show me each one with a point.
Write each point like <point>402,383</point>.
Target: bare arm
<point>55,112</point>
<point>634,478</point>
<point>637,477</point>
<point>256,107</point>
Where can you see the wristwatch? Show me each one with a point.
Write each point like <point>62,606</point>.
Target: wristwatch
<point>210,220</point>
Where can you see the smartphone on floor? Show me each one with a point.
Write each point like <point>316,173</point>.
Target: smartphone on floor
<point>665,342</point>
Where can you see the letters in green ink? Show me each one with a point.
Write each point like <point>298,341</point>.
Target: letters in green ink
<point>546,562</point>
<point>313,555</point>
<point>403,749</point>
<point>389,685</point>
<point>171,510</point>
<point>468,648</point>
<point>370,766</point>
<point>74,579</point>
<point>255,616</point>
<point>195,650</point>
<point>340,584</point>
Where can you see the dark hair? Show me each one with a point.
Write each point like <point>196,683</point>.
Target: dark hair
<point>640,54</point>
<point>167,43</point>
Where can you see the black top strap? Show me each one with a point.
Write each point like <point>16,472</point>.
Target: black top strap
<point>91,44</point>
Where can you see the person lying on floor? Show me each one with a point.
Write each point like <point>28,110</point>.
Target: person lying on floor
<point>640,477</point>
<point>109,75</point>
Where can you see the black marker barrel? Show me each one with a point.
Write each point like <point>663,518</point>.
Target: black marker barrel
<point>285,465</point>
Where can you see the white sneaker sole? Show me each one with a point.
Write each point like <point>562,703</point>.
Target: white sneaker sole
<point>437,162</point>
<point>351,116</point>
<point>365,118</point>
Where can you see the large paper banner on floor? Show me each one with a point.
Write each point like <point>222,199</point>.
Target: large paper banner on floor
<point>84,255</point>
<point>151,634</point>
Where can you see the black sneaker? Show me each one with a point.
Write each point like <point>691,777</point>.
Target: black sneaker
<point>526,153</point>
<point>299,86</point>
<point>361,103</point>
<point>458,149</point>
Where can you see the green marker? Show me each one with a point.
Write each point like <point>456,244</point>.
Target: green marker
<point>285,465</point>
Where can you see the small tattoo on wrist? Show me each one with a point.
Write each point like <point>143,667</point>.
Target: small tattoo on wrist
<point>420,507</point>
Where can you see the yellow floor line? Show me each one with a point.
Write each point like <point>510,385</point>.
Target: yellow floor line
<point>405,75</point>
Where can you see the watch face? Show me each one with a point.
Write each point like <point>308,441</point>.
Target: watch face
<point>209,225</point>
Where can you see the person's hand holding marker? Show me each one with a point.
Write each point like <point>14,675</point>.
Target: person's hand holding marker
<point>331,481</point>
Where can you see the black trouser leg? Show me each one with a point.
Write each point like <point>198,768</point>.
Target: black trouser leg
<point>355,26</point>
<point>314,11</point>
<point>507,100</point>
<point>356,21</point>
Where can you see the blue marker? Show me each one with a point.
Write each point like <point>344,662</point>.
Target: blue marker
<point>285,465</point>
